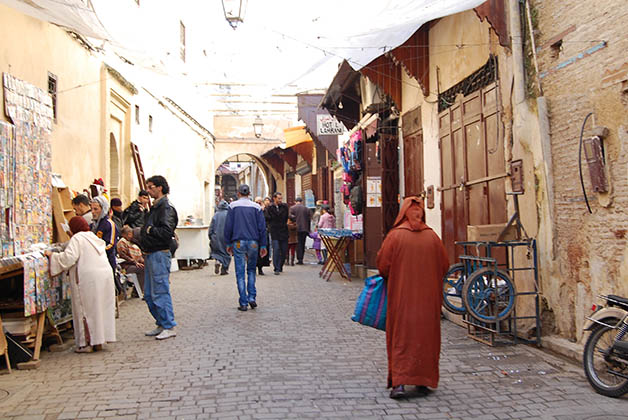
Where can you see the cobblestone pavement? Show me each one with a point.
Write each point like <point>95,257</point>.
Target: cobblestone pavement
<point>298,355</point>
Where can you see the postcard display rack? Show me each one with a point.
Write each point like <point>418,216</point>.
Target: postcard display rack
<point>25,203</point>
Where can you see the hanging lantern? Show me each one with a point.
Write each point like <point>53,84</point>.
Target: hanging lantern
<point>234,11</point>
<point>258,125</point>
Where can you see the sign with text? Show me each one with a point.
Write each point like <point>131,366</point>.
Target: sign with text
<point>326,125</point>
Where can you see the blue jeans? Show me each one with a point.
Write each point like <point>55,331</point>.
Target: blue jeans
<point>280,250</point>
<point>245,261</point>
<point>157,288</point>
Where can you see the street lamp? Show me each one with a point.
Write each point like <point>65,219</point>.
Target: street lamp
<point>233,10</point>
<point>258,124</point>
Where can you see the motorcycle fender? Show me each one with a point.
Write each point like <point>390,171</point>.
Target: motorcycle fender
<point>608,312</point>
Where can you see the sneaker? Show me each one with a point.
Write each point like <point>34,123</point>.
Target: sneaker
<point>253,304</point>
<point>243,308</point>
<point>166,334</point>
<point>216,268</point>
<point>277,273</point>
<point>154,332</point>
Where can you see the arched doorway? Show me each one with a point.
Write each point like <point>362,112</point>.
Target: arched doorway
<point>243,169</point>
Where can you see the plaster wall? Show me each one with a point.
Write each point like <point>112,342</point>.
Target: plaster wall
<point>581,75</point>
<point>31,48</point>
<point>179,151</point>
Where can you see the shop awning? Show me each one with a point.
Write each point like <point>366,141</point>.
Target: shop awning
<point>296,135</point>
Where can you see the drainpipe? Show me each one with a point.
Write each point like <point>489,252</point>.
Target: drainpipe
<point>516,38</point>
<point>519,101</point>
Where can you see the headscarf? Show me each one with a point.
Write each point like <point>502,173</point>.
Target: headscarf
<point>223,205</point>
<point>411,215</point>
<point>104,204</point>
<point>78,224</point>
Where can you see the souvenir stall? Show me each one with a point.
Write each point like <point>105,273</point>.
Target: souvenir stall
<point>28,295</point>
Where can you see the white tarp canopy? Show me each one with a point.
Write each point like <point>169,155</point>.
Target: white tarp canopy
<point>282,47</point>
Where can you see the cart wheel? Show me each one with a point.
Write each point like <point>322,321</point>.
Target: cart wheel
<point>489,295</point>
<point>453,281</point>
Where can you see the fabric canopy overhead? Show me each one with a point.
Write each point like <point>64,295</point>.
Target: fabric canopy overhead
<point>296,135</point>
<point>74,15</point>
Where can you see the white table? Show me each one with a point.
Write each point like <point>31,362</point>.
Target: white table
<point>193,243</point>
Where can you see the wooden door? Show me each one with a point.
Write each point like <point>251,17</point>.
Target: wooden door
<point>472,166</point>
<point>290,189</point>
<point>413,153</point>
<point>390,179</point>
<point>373,232</point>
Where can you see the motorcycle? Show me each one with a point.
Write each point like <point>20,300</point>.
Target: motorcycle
<point>605,355</point>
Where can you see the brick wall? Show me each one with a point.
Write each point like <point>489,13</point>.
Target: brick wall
<point>581,76</point>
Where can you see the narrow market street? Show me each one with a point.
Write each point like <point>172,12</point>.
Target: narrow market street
<point>298,355</point>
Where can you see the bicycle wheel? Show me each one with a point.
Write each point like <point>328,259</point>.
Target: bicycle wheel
<point>452,289</point>
<point>489,295</point>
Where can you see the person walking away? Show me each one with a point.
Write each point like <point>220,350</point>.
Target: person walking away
<point>327,221</point>
<point>82,208</point>
<point>104,228</point>
<point>116,216</point>
<point>132,255</point>
<point>135,215</point>
<point>301,215</point>
<point>217,244</point>
<point>245,232</point>
<point>278,219</point>
<point>156,238</point>
<point>292,241</point>
<point>413,260</point>
<point>91,284</point>
<point>265,260</point>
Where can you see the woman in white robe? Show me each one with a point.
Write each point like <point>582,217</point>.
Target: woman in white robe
<point>92,286</point>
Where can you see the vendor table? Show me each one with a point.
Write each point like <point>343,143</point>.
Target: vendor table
<point>12,268</point>
<point>336,241</point>
<point>193,243</point>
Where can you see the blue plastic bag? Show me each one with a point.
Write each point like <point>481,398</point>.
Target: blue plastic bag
<point>370,308</point>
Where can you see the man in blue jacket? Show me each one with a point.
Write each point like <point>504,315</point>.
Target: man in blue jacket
<point>245,232</point>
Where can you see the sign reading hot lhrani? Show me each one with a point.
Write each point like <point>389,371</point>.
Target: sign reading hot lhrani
<point>326,125</point>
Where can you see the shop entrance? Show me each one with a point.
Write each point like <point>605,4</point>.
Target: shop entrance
<point>473,167</point>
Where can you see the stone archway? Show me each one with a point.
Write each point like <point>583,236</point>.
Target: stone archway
<point>269,175</point>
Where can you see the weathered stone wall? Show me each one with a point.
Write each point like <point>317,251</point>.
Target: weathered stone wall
<point>581,75</point>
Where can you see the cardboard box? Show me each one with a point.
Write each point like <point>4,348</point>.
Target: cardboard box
<point>487,233</point>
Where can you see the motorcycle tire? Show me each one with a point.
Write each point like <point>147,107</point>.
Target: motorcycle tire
<point>600,385</point>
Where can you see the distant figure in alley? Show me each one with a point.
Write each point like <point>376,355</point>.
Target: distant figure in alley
<point>217,243</point>
<point>156,240</point>
<point>301,215</point>
<point>413,260</point>
<point>245,232</point>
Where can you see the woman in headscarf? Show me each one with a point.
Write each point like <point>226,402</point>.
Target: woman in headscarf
<point>217,243</point>
<point>413,260</point>
<point>104,227</point>
<point>91,282</point>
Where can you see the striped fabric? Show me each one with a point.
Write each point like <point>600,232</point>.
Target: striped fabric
<point>370,309</point>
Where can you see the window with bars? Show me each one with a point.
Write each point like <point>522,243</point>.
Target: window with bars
<point>52,90</point>
<point>182,40</point>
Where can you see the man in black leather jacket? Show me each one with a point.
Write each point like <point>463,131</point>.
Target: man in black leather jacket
<point>135,214</point>
<point>156,238</point>
<point>277,223</point>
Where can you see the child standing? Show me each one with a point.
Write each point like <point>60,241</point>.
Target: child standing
<point>292,241</point>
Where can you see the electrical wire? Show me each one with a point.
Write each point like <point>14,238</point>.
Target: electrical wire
<point>584,192</point>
